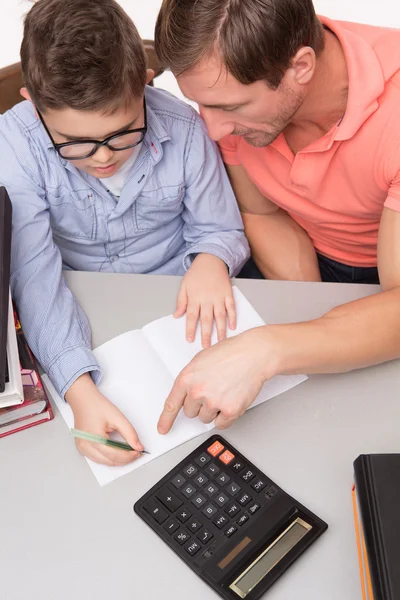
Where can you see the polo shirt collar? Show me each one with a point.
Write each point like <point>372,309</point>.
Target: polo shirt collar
<point>366,79</point>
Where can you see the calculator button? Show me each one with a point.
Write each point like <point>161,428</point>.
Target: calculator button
<point>222,478</point>
<point>237,466</point>
<point>230,531</point>
<point>244,499</point>
<point>209,510</point>
<point>215,449</point>
<point>178,481</point>
<point>212,470</point>
<point>181,537</point>
<point>192,547</point>
<point>204,536</point>
<point>221,499</point>
<point>171,525</point>
<point>248,475</point>
<point>258,484</point>
<point>242,520</point>
<point>188,490</point>
<point>220,521</point>
<point>210,489</point>
<point>200,479</point>
<point>190,470</point>
<point>199,500</point>
<point>194,525</point>
<point>254,508</point>
<point>227,457</point>
<point>155,509</point>
<point>169,499</point>
<point>183,515</point>
<point>202,460</point>
<point>232,509</point>
<point>271,492</point>
<point>233,488</point>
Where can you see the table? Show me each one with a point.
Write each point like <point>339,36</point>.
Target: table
<point>63,537</point>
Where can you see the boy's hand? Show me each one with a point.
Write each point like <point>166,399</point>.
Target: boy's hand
<point>93,413</point>
<point>206,293</point>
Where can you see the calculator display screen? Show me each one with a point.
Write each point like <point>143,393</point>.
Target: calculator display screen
<point>270,557</point>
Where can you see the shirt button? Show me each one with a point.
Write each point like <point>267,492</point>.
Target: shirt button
<point>114,258</point>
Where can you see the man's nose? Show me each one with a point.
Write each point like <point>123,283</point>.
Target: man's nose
<point>217,127</point>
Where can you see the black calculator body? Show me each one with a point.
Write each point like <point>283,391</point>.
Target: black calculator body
<point>228,521</point>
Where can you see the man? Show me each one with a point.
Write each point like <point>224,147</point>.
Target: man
<point>306,114</point>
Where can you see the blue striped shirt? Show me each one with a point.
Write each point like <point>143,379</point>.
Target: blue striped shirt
<point>176,202</point>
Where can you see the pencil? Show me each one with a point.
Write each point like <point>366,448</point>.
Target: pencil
<point>98,439</point>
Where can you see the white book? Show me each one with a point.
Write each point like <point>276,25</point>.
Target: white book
<point>13,392</point>
<point>139,368</point>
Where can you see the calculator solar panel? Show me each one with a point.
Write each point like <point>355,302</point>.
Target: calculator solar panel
<point>228,521</point>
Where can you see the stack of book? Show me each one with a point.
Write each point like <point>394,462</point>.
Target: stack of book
<point>24,402</point>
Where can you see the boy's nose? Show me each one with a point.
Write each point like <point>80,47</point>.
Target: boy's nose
<point>103,155</point>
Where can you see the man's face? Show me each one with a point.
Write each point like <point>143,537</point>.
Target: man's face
<point>69,125</point>
<point>254,111</point>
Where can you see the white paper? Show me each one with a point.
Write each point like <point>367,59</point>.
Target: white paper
<point>139,368</point>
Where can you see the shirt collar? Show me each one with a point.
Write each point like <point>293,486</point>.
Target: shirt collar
<point>366,79</point>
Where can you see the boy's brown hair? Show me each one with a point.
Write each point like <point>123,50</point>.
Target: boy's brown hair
<point>255,39</point>
<point>81,54</point>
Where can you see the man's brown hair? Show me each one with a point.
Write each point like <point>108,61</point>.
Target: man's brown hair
<point>255,39</point>
<point>82,54</point>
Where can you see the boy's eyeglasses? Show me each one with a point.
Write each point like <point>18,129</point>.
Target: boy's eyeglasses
<point>86,148</point>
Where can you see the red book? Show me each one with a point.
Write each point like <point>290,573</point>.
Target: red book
<point>36,407</point>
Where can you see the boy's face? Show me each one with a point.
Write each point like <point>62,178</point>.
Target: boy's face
<point>69,125</point>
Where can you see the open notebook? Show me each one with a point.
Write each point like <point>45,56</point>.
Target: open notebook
<point>139,368</point>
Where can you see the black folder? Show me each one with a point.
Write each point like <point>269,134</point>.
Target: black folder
<point>376,497</point>
<point>5,249</point>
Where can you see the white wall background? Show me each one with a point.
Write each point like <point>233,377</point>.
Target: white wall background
<point>144,13</point>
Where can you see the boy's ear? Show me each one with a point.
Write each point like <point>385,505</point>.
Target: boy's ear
<point>150,75</point>
<point>25,94</point>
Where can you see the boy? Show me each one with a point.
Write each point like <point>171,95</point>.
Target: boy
<point>107,175</point>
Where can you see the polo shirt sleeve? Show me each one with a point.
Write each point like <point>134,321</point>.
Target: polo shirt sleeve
<point>228,146</point>
<point>392,175</point>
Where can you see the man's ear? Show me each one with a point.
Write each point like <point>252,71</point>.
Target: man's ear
<point>149,75</point>
<point>303,65</point>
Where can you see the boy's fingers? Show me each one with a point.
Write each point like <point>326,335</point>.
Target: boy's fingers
<point>128,432</point>
<point>172,406</point>
<point>181,303</point>
<point>206,321</point>
<point>220,320</point>
<point>192,316</point>
<point>91,451</point>
<point>231,310</point>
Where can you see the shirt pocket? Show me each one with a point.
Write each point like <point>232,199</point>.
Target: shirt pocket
<point>155,208</point>
<point>72,213</point>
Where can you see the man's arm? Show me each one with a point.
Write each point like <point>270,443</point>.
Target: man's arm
<point>358,334</point>
<point>279,246</point>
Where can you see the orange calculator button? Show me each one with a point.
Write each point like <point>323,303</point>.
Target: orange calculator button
<point>227,457</point>
<point>215,449</point>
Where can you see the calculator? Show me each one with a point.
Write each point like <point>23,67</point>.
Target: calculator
<point>228,521</point>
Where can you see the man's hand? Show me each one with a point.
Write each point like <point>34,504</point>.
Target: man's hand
<point>220,383</point>
<point>206,293</point>
<point>93,413</point>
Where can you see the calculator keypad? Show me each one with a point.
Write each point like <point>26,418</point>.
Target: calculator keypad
<point>214,495</point>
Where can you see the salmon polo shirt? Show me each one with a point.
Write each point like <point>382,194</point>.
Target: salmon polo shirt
<point>337,186</point>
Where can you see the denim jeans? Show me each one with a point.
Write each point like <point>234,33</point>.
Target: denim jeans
<point>330,270</point>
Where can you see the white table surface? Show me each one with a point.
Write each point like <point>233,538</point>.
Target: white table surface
<point>63,537</point>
